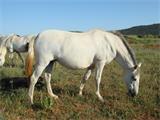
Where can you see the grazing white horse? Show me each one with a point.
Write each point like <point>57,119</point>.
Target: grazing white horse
<point>91,50</point>
<point>14,43</point>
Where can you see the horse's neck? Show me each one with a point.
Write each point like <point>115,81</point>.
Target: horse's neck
<point>123,57</point>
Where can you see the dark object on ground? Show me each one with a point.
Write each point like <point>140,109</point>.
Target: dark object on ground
<point>17,82</point>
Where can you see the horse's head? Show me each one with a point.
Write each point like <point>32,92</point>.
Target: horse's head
<point>3,51</point>
<point>3,48</point>
<point>132,77</point>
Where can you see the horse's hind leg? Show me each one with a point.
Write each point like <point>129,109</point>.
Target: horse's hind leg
<point>83,81</point>
<point>20,56</point>
<point>48,71</point>
<point>34,78</point>
<point>99,68</point>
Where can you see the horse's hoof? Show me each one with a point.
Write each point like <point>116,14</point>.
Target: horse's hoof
<point>80,94</point>
<point>55,97</point>
<point>31,103</point>
<point>101,99</point>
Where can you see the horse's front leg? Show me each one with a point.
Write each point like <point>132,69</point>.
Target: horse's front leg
<point>12,60</point>
<point>99,68</point>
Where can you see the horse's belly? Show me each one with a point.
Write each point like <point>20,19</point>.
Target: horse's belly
<point>75,62</point>
<point>21,48</point>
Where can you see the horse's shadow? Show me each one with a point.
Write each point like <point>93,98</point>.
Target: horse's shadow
<point>12,83</point>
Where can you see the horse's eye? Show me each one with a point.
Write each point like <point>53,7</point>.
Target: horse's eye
<point>133,78</point>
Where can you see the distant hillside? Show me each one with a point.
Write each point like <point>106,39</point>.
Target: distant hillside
<point>153,29</point>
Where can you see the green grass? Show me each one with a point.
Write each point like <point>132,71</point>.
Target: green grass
<point>14,103</point>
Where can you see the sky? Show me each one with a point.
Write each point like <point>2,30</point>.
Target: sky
<point>33,16</point>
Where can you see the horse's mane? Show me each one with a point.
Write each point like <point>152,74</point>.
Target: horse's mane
<point>130,50</point>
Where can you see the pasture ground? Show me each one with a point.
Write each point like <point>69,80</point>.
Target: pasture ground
<point>14,103</point>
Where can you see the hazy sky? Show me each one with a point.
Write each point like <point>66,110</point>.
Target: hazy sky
<point>33,16</point>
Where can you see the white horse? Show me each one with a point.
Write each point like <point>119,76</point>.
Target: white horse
<point>14,43</point>
<point>91,50</point>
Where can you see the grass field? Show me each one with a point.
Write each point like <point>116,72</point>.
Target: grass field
<point>14,103</point>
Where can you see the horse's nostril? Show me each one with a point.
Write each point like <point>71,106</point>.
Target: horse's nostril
<point>131,93</point>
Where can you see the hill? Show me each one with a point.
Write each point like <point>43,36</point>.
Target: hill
<point>153,29</point>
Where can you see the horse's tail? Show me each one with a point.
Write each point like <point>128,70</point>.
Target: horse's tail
<point>30,57</point>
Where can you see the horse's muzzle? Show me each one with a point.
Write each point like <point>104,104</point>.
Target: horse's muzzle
<point>131,93</point>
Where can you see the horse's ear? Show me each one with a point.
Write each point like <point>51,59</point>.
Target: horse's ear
<point>137,66</point>
<point>18,35</point>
